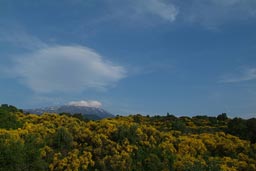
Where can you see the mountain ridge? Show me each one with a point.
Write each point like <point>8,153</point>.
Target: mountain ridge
<point>86,111</point>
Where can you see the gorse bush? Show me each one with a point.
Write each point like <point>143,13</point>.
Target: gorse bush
<point>132,143</point>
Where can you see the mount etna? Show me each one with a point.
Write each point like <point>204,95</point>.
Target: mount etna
<point>94,113</point>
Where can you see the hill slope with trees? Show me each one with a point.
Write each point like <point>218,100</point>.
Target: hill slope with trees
<point>131,143</point>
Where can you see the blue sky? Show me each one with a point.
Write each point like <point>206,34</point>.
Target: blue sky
<point>135,56</point>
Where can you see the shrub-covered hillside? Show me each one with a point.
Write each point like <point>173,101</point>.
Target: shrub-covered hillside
<point>133,143</point>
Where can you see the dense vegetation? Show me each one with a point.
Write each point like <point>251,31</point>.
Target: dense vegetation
<point>131,143</point>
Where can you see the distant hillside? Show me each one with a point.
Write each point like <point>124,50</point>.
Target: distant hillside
<point>87,112</point>
<point>127,143</point>
<point>132,143</point>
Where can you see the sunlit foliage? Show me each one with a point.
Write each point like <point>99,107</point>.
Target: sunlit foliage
<point>131,143</point>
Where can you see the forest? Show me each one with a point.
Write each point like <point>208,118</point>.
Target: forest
<point>55,142</point>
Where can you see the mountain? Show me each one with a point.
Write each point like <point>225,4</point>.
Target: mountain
<point>88,112</point>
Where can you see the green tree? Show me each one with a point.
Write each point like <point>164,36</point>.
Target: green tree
<point>222,117</point>
<point>62,139</point>
<point>32,157</point>
<point>8,118</point>
<point>179,125</point>
<point>11,154</point>
<point>238,127</point>
<point>251,129</point>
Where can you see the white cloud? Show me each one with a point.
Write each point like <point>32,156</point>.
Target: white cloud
<point>207,13</point>
<point>141,11</point>
<point>213,13</point>
<point>246,75</point>
<point>83,103</point>
<point>16,36</point>
<point>226,2</point>
<point>166,11</point>
<point>66,69</point>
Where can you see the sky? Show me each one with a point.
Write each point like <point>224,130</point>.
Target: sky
<point>150,57</point>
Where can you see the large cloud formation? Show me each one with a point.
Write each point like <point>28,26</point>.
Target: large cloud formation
<point>66,69</point>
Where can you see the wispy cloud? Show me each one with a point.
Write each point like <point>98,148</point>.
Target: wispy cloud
<point>210,13</point>
<point>213,13</point>
<point>66,69</point>
<point>139,12</point>
<point>245,75</point>
<point>84,103</point>
<point>16,36</point>
<point>166,11</point>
